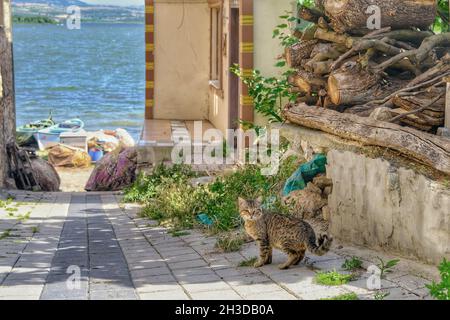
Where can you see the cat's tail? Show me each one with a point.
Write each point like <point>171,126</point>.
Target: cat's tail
<point>323,245</point>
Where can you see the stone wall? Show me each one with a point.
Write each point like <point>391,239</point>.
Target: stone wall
<point>381,206</point>
<point>378,200</point>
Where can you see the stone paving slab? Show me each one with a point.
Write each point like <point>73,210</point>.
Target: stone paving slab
<point>123,256</point>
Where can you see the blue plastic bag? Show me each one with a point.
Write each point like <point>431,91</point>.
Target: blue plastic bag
<point>305,174</point>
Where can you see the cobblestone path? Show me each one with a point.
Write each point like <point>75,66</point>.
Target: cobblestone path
<point>85,246</point>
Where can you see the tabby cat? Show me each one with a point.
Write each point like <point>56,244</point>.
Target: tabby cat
<point>289,234</point>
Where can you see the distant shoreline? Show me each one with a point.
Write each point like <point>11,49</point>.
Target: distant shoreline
<point>41,20</point>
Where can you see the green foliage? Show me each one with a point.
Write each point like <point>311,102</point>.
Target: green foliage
<point>248,262</point>
<point>441,290</point>
<point>146,186</point>
<point>386,267</point>
<point>442,20</point>
<point>352,264</point>
<point>168,195</point>
<point>332,278</point>
<point>268,94</point>
<point>33,19</point>
<point>177,233</point>
<point>381,295</point>
<point>345,296</point>
<point>35,229</point>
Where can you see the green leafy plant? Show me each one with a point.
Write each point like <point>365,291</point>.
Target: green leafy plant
<point>268,93</point>
<point>352,264</point>
<point>229,242</point>
<point>345,296</point>
<point>441,290</point>
<point>332,278</point>
<point>35,229</point>
<point>381,295</point>
<point>386,267</point>
<point>248,262</point>
<point>441,23</point>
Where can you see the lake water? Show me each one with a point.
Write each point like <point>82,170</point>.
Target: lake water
<point>96,73</point>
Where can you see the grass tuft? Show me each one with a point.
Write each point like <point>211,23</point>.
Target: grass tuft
<point>332,278</point>
<point>352,264</point>
<point>345,296</point>
<point>248,262</point>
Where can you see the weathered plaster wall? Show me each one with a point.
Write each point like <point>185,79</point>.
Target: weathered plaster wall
<point>378,203</point>
<point>181,59</point>
<point>381,206</point>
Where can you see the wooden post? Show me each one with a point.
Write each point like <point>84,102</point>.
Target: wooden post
<point>149,58</point>
<point>447,104</point>
<point>7,102</point>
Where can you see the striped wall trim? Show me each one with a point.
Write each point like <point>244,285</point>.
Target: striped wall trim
<point>246,100</point>
<point>247,20</point>
<point>150,47</point>
<point>246,57</point>
<point>150,58</point>
<point>247,73</point>
<point>247,47</point>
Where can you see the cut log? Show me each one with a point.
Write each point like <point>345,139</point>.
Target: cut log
<point>423,147</point>
<point>354,15</point>
<point>352,85</point>
<point>298,52</point>
<point>307,82</point>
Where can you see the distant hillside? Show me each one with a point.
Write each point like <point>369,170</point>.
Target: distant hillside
<point>60,3</point>
<point>26,11</point>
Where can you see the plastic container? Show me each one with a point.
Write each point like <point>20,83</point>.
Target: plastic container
<point>95,154</point>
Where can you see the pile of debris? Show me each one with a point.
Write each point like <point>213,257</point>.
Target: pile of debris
<point>395,73</point>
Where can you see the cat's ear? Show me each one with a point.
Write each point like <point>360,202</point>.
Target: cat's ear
<point>242,202</point>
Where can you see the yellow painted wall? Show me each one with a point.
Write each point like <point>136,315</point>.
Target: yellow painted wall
<point>266,18</point>
<point>181,59</point>
<point>267,49</point>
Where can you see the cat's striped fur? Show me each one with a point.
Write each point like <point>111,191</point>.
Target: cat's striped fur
<point>289,234</point>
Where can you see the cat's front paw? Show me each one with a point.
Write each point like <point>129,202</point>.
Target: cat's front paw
<point>259,264</point>
<point>284,266</point>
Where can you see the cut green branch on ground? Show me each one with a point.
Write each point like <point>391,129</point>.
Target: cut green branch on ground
<point>332,278</point>
<point>441,290</point>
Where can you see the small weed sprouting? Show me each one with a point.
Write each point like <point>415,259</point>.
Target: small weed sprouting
<point>381,295</point>
<point>24,217</point>
<point>177,233</point>
<point>332,278</point>
<point>386,267</point>
<point>345,296</point>
<point>352,264</point>
<point>5,234</point>
<point>441,290</point>
<point>35,230</point>
<point>248,262</point>
<point>229,242</point>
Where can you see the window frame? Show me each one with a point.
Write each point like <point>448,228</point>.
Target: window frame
<point>216,45</point>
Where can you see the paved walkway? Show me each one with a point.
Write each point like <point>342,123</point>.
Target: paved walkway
<point>85,246</point>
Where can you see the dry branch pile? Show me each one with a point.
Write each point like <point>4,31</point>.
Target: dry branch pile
<point>394,73</point>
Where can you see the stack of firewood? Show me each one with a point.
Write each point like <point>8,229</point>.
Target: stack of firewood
<point>393,73</point>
